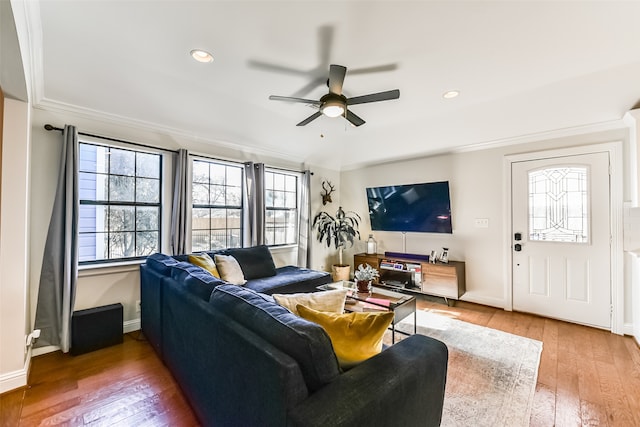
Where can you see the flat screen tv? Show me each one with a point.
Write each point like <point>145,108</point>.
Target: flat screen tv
<point>424,207</point>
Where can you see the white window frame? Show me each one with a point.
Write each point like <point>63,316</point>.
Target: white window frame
<point>296,209</point>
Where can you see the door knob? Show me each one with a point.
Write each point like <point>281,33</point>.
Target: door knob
<point>517,247</point>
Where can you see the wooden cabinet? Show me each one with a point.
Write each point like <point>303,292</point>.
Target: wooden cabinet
<point>440,279</point>
<point>372,260</point>
<point>444,280</point>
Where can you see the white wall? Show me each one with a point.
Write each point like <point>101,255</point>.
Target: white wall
<point>477,191</point>
<point>107,285</point>
<point>632,226</point>
<point>14,240</point>
<point>476,188</point>
<point>322,257</point>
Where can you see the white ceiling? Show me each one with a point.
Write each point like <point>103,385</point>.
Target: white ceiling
<point>522,68</point>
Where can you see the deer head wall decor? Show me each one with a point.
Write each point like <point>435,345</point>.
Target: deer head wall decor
<point>326,196</point>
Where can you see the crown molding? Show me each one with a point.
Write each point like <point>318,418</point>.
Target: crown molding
<point>141,125</point>
<point>606,126</point>
<point>26,16</point>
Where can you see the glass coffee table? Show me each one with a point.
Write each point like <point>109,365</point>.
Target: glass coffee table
<point>378,299</point>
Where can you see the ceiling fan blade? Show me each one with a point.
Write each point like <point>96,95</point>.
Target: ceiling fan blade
<point>374,97</point>
<point>276,67</point>
<point>310,86</point>
<point>291,99</point>
<point>336,78</point>
<point>375,69</point>
<point>310,118</point>
<point>354,119</point>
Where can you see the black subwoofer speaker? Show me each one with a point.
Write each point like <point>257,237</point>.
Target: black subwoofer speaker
<point>96,328</point>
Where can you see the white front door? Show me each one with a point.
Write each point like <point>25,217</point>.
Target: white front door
<point>561,238</point>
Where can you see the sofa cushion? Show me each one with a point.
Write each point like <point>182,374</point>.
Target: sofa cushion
<point>331,301</point>
<point>355,336</point>
<point>301,339</point>
<point>290,279</point>
<point>197,280</point>
<point>256,261</point>
<point>229,269</point>
<point>161,263</point>
<point>205,261</point>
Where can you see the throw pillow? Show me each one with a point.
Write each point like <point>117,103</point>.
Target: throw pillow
<point>256,262</point>
<point>331,301</point>
<point>204,260</point>
<point>355,336</point>
<point>229,269</point>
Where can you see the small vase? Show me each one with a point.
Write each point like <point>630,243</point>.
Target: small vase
<point>364,285</point>
<point>372,246</point>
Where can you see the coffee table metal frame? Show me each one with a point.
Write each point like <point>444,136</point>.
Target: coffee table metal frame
<point>401,305</point>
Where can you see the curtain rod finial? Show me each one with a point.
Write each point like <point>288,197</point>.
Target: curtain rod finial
<point>48,127</point>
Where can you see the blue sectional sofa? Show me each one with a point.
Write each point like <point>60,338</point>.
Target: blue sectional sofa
<point>243,360</point>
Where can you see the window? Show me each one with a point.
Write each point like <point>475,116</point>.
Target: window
<point>558,208</point>
<point>281,200</point>
<point>119,192</point>
<point>217,206</point>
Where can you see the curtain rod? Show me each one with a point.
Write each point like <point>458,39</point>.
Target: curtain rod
<point>106,138</point>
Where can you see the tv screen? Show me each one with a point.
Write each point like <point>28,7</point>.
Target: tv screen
<point>422,207</point>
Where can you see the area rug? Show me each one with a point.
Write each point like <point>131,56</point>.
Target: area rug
<point>491,375</point>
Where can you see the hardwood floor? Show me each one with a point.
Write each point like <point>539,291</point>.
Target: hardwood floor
<point>587,377</point>
<point>123,385</point>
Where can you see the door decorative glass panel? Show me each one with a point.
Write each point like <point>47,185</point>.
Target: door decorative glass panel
<point>558,205</point>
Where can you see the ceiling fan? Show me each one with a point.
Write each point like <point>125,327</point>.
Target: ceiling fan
<point>334,103</point>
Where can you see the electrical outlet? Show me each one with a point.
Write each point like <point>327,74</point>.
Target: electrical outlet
<point>138,306</point>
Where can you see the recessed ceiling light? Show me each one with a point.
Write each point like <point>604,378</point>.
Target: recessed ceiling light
<point>201,55</point>
<point>450,94</point>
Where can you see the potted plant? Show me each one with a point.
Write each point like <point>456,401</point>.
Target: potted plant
<point>339,230</point>
<point>364,275</point>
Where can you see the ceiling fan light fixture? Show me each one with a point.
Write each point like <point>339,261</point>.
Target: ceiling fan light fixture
<point>201,56</point>
<point>332,108</point>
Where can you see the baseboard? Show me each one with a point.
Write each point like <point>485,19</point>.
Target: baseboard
<point>44,350</point>
<point>131,325</point>
<point>127,326</point>
<point>16,379</point>
<point>627,329</point>
<point>483,299</point>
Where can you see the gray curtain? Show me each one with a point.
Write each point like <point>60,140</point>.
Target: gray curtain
<point>304,254</point>
<point>179,208</point>
<point>59,274</point>
<point>255,212</point>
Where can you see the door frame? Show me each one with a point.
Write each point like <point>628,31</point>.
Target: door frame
<point>615,213</point>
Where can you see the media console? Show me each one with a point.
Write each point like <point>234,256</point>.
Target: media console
<point>416,274</point>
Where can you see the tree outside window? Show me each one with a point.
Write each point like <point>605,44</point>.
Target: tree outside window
<point>216,221</point>
<point>119,192</point>
<point>281,200</point>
